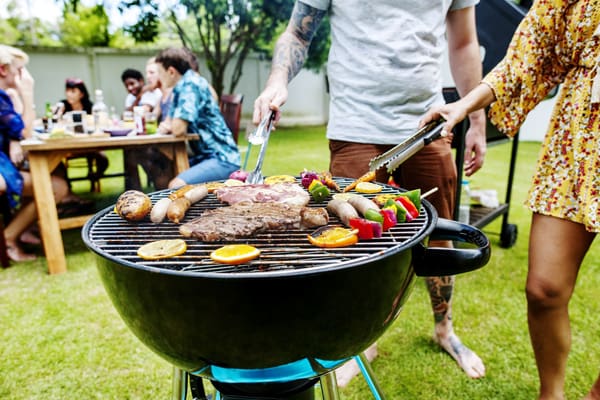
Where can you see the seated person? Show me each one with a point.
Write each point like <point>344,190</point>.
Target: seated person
<point>155,164</point>
<point>17,185</point>
<point>77,98</point>
<point>137,93</point>
<point>194,110</point>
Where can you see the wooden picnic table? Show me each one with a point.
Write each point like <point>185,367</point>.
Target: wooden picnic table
<point>45,155</point>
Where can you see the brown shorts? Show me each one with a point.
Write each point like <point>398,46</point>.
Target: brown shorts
<point>433,166</point>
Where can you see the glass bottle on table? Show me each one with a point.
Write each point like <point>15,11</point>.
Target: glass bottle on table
<point>100,112</point>
<point>47,118</point>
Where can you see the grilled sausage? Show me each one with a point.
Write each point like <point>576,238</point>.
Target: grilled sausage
<point>344,210</point>
<point>180,192</point>
<point>362,204</point>
<point>159,210</point>
<point>196,194</point>
<point>177,208</point>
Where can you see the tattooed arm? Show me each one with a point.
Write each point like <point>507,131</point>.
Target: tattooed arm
<point>289,56</point>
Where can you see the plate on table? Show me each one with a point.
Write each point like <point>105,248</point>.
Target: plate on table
<point>119,131</point>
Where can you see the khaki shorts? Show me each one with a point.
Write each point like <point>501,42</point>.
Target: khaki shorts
<point>433,166</point>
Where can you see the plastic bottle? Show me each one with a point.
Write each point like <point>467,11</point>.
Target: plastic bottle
<point>139,117</point>
<point>100,112</point>
<point>465,203</point>
<point>47,119</point>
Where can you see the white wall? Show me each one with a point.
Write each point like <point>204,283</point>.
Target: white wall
<point>102,68</point>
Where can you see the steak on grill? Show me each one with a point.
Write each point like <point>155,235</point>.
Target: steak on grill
<point>289,193</point>
<point>242,219</point>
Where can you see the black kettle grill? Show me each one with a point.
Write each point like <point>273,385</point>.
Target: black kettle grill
<point>271,327</point>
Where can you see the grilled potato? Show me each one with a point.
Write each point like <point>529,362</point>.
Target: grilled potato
<point>133,205</point>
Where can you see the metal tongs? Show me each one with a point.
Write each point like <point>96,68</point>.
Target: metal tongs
<point>260,136</point>
<point>403,151</point>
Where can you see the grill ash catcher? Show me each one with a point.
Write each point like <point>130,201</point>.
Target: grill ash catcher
<point>273,327</point>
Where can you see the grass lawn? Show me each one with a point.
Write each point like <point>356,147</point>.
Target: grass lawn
<point>62,339</point>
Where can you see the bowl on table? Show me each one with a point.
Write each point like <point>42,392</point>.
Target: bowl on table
<point>118,131</point>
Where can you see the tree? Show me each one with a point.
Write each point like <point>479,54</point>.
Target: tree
<point>227,31</point>
<point>20,29</point>
<point>146,28</point>
<point>88,27</point>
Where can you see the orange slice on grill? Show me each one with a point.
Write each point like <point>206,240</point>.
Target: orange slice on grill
<point>234,254</point>
<point>162,249</point>
<point>333,237</point>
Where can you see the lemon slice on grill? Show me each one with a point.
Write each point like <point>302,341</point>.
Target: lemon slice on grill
<point>234,254</point>
<point>162,249</point>
<point>270,180</point>
<point>368,187</point>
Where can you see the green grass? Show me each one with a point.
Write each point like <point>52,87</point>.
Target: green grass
<point>60,337</point>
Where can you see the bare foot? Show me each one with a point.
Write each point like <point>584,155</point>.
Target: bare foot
<point>465,357</point>
<point>346,372</point>
<point>29,237</point>
<point>15,253</point>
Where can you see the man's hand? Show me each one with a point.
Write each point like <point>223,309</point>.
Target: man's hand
<point>475,144</point>
<point>272,98</point>
<point>165,126</point>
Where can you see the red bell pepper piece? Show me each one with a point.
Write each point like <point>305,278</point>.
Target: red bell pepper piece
<point>411,210</point>
<point>389,217</point>
<point>365,230</point>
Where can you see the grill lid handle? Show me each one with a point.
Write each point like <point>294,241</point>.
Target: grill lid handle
<point>442,261</point>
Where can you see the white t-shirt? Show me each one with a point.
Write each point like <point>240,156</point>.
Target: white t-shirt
<point>148,98</point>
<point>384,65</point>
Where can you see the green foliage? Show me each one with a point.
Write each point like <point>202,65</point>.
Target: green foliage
<point>226,31</point>
<point>146,29</point>
<point>19,31</point>
<point>88,27</point>
<point>10,34</point>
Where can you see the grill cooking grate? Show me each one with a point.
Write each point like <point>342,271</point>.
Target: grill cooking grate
<point>280,251</point>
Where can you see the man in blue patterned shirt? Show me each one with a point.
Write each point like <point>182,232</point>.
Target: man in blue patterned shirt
<point>194,110</point>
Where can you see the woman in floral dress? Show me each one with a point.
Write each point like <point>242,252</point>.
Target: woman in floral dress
<point>558,42</point>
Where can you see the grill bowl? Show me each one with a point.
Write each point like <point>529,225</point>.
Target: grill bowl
<point>266,326</point>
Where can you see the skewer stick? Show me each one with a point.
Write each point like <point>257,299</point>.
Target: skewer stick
<point>429,192</point>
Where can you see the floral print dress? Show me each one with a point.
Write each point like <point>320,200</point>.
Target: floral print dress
<point>557,42</point>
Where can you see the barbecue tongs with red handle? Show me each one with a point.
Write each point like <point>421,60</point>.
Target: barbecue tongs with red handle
<point>403,151</point>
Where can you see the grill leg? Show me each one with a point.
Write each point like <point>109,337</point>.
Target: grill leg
<point>329,386</point>
<point>367,371</point>
<point>179,384</point>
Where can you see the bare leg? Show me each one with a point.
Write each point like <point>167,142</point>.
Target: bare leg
<point>556,249</point>
<point>21,221</point>
<point>349,370</point>
<point>594,393</point>
<point>440,293</point>
<point>27,215</point>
